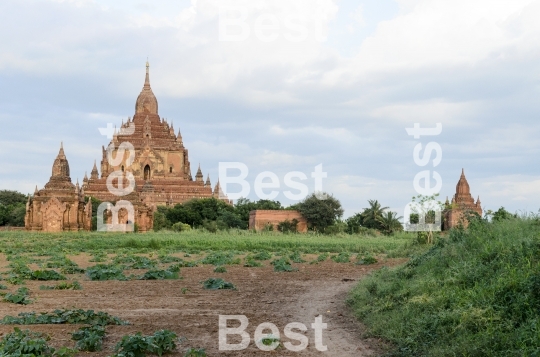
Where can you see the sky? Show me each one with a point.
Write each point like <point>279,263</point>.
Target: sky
<point>331,82</point>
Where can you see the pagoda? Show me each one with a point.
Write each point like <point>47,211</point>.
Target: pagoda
<point>160,167</point>
<point>60,205</point>
<point>461,203</point>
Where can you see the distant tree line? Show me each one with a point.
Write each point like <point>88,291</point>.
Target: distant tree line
<point>12,208</point>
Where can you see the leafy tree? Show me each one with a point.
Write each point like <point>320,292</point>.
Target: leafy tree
<point>12,208</point>
<point>243,206</point>
<point>320,212</point>
<point>502,214</point>
<point>354,224</point>
<point>160,219</point>
<point>8,198</point>
<point>372,215</point>
<point>389,223</point>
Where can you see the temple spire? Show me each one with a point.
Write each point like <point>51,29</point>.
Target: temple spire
<point>199,176</point>
<point>208,181</point>
<point>147,79</point>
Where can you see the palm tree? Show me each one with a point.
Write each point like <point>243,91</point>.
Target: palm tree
<point>372,215</point>
<point>389,223</point>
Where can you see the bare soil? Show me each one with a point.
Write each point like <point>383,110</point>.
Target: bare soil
<point>263,296</point>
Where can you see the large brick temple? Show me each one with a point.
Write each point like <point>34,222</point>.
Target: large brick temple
<point>462,202</point>
<point>160,168</point>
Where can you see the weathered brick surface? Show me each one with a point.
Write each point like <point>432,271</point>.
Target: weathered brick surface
<point>260,218</point>
<point>461,203</point>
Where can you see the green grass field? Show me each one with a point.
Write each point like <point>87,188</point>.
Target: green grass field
<point>474,293</point>
<point>75,242</point>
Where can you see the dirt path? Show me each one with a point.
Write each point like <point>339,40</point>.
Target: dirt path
<point>262,296</point>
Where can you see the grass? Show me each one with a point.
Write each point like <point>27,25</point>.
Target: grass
<point>99,243</point>
<point>473,293</point>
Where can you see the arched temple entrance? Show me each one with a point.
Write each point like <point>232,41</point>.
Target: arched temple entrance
<point>147,172</point>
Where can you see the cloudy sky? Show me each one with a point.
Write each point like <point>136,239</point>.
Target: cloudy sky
<point>332,82</point>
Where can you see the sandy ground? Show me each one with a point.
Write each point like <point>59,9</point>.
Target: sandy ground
<point>262,296</point>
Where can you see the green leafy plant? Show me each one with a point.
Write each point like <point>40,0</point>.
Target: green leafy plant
<point>250,262</point>
<point>220,269</point>
<point>102,272</point>
<point>20,297</point>
<point>217,284</point>
<point>366,259</point>
<point>192,352</point>
<point>89,338</point>
<point>342,257</point>
<point>75,285</point>
<point>78,316</point>
<point>25,343</point>
<point>46,275</point>
<point>296,257</point>
<point>163,341</point>
<point>159,275</point>
<point>262,255</point>
<point>283,265</point>
<point>221,258</point>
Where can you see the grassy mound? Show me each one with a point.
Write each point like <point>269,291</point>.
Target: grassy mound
<point>474,293</point>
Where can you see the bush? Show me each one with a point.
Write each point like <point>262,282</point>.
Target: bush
<point>288,226</point>
<point>181,227</point>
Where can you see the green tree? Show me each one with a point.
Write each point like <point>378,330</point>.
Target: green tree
<point>389,223</point>
<point>8,198</point>
<point>502,214</point>
<point>372,215</point>
<point>243,206</point>
<point>354,224</point>
<point>12,208</point>
<point>320,210</point>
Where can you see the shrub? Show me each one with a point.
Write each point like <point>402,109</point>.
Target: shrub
<point>288,226</point>
<point>181,227</point>
<point>217,284</point>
